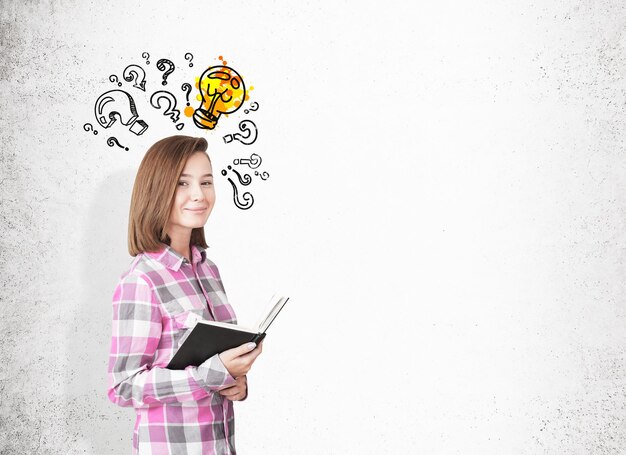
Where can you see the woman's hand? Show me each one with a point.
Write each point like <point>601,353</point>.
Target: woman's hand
<point>237,391</point>
<point>239,360</point>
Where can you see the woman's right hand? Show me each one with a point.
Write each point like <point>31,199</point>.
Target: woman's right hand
<point>239,360</point>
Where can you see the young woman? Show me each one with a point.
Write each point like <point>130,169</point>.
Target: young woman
<point>170,284</point>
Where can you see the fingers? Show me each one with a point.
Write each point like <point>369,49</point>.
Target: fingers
<point>234,396</point>
<point>256,351</point>
<point>238,351</point>
<point>237,397</point>
<point>239,360</point>
<point>237,391</point>
<point>231,391</point>
<point>251,356</point>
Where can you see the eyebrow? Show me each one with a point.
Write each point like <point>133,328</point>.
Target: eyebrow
<point>188,175</point>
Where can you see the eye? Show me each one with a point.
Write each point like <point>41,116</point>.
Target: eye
<point>182,183</point>
<point>207,183</point>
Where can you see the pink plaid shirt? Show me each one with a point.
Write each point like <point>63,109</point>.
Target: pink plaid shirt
<point>154,305</point>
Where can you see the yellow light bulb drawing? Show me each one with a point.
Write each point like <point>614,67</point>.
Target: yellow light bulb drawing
<point>223,92</point>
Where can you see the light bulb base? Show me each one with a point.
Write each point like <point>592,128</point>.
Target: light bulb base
<point>204,119</point>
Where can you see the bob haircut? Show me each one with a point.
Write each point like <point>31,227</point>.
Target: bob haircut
<point>153,193</point>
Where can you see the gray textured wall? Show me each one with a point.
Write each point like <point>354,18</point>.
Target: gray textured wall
<point>446,207</point>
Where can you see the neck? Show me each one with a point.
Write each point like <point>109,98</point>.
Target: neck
<point>179,242</point>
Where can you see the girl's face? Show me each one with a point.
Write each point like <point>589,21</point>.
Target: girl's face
<point>195,195</point>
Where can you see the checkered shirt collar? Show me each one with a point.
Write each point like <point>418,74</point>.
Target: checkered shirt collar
<point>173,260</point>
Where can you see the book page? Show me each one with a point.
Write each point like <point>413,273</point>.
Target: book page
<point>276,304</point>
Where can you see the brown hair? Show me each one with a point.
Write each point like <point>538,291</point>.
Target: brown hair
<point>154,190</point>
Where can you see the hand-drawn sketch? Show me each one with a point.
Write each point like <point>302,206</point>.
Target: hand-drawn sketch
<point>89,127</point>
<point>253,162</point>
<point>220,90</point>
<point>136,74</point>
<point>246,126</point>
<point>189,56</point>
<point>116,104</point>
<point>170,110</point>
<point>252,104</point>
<point>247,200</point>
<point>167,66</point>
<point>113,78</point>
<point>112,141</point>
<point>223,92</point>
<point>264,175</point>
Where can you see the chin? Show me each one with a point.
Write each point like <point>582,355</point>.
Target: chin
<point>197,224</point>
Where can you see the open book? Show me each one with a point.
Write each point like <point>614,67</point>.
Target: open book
<point>208,338</point>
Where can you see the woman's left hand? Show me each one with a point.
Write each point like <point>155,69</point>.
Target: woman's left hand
<point>237,391</point>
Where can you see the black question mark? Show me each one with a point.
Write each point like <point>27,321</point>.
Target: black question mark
<point>113,78</point>
<point>245,180</point>
<point>247,126</point>
<point>89,127</point>
<point>248,199</point>
<point>170,110</point>
<point>113,141</point>
<point>161,67</point>
<point>256,107</point>
<point>264,175</point>
<point>186,88</point>
<point>253,162</point>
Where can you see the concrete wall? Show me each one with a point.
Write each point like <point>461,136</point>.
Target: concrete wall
<point>445,206</point>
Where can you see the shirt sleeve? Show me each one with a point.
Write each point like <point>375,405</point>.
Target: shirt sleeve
<point>136,333</point>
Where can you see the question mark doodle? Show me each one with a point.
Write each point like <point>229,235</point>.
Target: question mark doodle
<point>256,107</point>
<point>113,78</point>
<point>171,110</point>
<point>136,73</point>
<point>245,180</point>
<point>248,199</point>
<point>113,141</point>
<point>146,56</point>
<point>187,89</point>
<point>264,175</point>
<point>116,104</point>
<point>190,58</point>
<point>249,139</point>
<point>161,67</point>
<point>89,127</point>
<point>253,162</point>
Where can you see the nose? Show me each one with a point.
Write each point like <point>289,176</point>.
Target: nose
<point>196,193</point>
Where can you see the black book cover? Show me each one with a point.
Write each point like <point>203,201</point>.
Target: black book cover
<point>206,340</point>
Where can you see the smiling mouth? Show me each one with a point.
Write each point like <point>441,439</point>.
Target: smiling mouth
<point>197,210</point>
